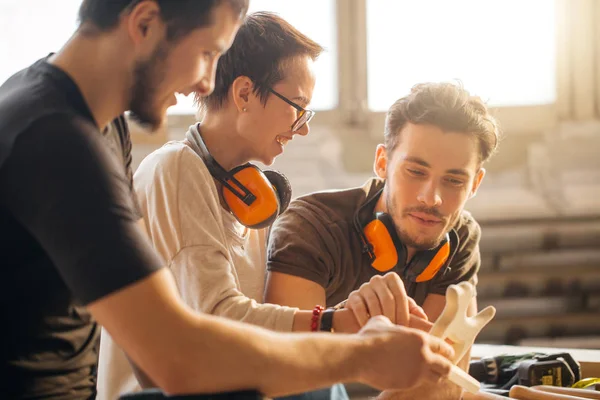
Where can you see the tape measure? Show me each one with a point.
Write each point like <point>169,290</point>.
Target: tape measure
<point>530,369</point>
<point>586,383</point>
<point>550,373</point>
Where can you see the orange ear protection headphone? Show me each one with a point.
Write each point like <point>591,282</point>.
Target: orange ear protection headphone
<point>256,198</point>
<point>386,252</point>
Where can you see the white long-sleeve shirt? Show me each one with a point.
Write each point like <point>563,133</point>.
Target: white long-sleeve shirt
<point>218,264</point>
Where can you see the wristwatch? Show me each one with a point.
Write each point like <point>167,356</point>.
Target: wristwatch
<point>327,320</point>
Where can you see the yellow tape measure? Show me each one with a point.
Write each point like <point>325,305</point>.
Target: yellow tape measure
<point>586,383</point>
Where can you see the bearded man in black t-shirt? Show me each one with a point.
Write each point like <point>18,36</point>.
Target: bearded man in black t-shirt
<point>72,251</point>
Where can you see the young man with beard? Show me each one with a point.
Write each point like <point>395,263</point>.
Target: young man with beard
<point>410,219</point>
<point>72,250</point>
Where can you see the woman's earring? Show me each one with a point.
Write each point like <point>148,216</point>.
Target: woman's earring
<point>244,109</point>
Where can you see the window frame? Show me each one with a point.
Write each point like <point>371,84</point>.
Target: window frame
<point>352,113</point>
<point>530,119</point>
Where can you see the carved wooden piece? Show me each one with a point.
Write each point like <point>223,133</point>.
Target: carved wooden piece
<point>454,325</point>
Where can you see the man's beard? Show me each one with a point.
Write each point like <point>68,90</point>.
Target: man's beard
<point>146,76</point>
<point>405,237</point>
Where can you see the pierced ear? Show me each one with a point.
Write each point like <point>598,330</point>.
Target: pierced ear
<point>241,92</point>
<point>476,182</point>
<point>380,164</point>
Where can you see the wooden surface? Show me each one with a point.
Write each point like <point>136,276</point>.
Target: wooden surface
<point>587,394</point>
<point>525,393</point>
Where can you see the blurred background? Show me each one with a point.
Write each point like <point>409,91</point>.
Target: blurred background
<point>535,62</point>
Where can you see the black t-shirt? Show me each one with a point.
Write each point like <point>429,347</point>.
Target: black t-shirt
<point>68,235</point>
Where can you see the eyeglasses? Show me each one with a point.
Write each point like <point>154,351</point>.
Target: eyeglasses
<point>304,115</point>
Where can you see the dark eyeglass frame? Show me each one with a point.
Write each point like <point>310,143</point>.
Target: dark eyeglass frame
<point>304,116</point>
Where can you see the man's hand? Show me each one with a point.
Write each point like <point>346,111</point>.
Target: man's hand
<point>402,358</point>
<point>383,295</point>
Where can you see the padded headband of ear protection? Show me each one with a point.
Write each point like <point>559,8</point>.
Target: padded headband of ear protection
<point>254,197</point>
<point>218,172</point>
<point>386,251</point>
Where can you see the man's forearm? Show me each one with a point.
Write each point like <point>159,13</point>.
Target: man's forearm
<point>275,364</point>
<point>186,352</point>
<point>287,387</point>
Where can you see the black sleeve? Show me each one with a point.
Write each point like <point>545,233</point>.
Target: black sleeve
<point>68,190</point>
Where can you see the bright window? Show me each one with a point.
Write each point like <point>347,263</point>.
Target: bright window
<point>501,50</point>
<point>31,29</point>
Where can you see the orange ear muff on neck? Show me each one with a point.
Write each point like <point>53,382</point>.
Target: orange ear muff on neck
<point>436,263</point>
<point>384,248</point>
<point>263,209</point>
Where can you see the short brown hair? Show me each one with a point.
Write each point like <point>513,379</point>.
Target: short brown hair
<point>448,106</point>
<point>181,16</point>
<point>259,51</point>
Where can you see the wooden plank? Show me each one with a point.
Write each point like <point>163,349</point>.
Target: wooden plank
<point>544,221</point>
<point>536,274</point>
<point>514,329</point>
